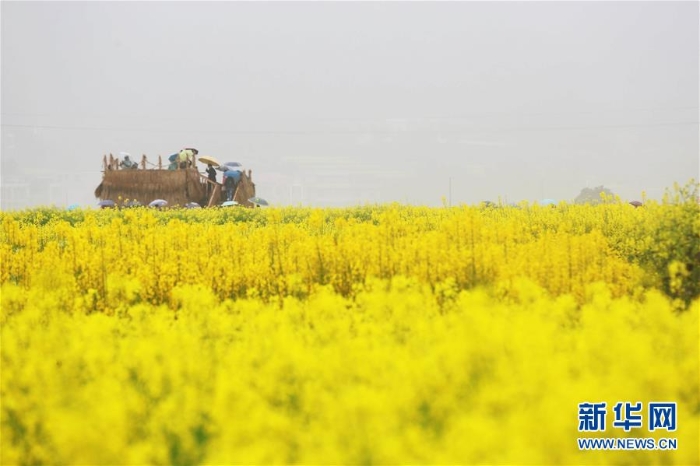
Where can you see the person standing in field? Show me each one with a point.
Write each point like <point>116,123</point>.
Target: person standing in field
<point>230,185</point>
<point>212,177</point>
<point>185,158</point>
<point>211,172</point>
<point>128,163</point>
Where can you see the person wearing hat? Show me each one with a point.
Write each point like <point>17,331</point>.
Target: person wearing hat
<point>185,156</point>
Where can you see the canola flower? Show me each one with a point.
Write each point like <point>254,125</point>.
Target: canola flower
<point>370,335</point>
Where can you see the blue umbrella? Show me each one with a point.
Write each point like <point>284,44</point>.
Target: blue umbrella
<point>173,157</point>
<point>230,166</point>
<point>229,203</point>
<point>158,203</point>
<point>192,205</point>
<point>72,206</point>
<point>235,174</point>
<point>106,203</point>
<point>548,202</point>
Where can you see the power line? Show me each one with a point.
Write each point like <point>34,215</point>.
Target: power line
<point>462,116</point>
<point>358,132</point>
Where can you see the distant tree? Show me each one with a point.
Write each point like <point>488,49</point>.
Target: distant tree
<point>593,195</point>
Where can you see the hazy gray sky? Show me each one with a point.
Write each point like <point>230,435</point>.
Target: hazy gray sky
<point>341,103</point>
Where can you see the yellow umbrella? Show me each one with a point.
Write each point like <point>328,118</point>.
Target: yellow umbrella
<point>209,160</point>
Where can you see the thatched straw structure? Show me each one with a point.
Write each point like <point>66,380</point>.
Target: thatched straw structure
<point>245,189</point>
<point>178,187</point>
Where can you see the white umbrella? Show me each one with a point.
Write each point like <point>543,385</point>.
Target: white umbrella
<point>158,203</point>
<point>259,201</point>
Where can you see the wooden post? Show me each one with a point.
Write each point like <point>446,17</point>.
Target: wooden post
<point>143,161</point>
<point>238,185</point>
<point>160,162</point>
<point>215,192</point>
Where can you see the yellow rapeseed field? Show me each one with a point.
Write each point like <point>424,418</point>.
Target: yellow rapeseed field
<point>369,335</point>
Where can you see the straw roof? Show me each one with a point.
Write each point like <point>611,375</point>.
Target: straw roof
<point>246,189</point>
<point>178,187</point>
